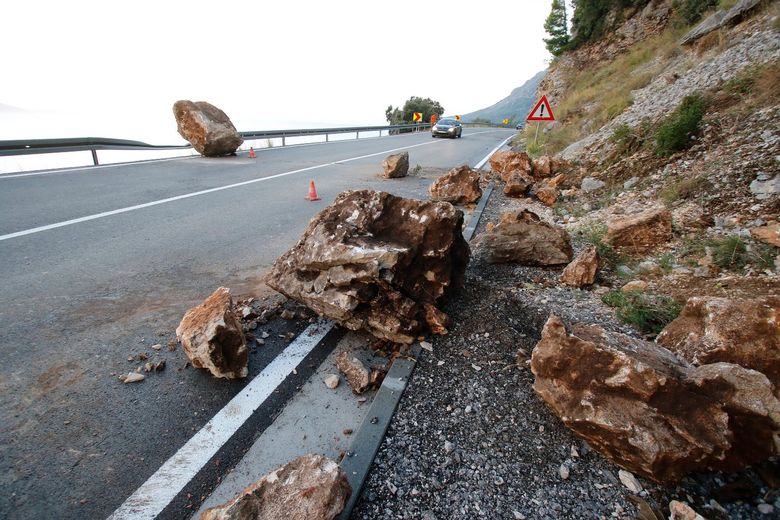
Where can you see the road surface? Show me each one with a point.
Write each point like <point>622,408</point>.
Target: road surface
<point>98,264</point>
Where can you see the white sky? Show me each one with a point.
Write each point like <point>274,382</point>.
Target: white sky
<point>115,69</point>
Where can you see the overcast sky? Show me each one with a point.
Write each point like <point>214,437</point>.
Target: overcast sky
<point>108,67</point>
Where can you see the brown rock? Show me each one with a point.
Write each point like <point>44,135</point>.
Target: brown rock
<point>358,376</point>
<point>556,181</point>
<point>582,270</point>
<point>372,261</point>
<point>650,412</point>
<point>543,166</point>
<point>311,487</point>
<point>517,184</point>
<point>547,195</point>
<point>459,186</point>
<point>396,165</point>
<point>522,237</point>
<point>634,286</point>
<point>641,232</point>
<point>682,511</point>
<point>508,162</point>
<point>207,128</point>
<point>769,234</point>
<point>438,322</point>
<point>212,337</point>
<point>744,332</point>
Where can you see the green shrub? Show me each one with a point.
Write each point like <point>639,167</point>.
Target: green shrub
<point>650,313</point>
<point>729,253</point>
<point>594,234</point>
<point>676,132</point>
<point>692,10</point>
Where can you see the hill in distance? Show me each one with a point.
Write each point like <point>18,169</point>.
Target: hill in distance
<point>515,106</point>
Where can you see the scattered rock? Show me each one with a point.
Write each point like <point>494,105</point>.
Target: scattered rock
<point>332,381</point>
<point>769,234</point>
<point>629,480</point>
<point>287,314</point>
<point>649,412</point>
<point>458,186</point>
<point>547,195</point>
<point>582,270</point>
<point>373,261</point>
<point>563,471</point>
<point>507,162</point>
<point>682,511</point>
<point>311,487</point>
<point>517,184</point>
<point>763,188</point>
<point>207,128</point>
<point>156,365</point>
<point>745,332</point>
<point>396,165</point>
<point>544,166</point>
<point>133,377</point>
<point>765,509</point>
<point>634,286</point>
<point>522,237</point>
<point>591,184</point>
<point>640,232</point>
<point>157,347</point>
<point>212,337</point>
<point>358,376</point>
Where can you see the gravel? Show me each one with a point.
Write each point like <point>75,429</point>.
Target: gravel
<point>471,439</point>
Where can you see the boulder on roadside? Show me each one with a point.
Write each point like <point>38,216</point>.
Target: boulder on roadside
<point>517,184</point>
<point>508,162</point>
<point>213,338</point>
<point>582,270</point>
<point>396,165</point>
<point>745,332</point>
<point>312,487</point>
<point>649,412</point>
<point>207,128</point>
<point>547,195</point>
<point>640,232</point>
<point>522,237</point>
<point>373,261</point>
<point>458,186</point>
<point>543,166</point>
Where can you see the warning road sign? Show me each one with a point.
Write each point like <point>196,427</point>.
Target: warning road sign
<point>542,111</point>
<point>457,118</point>
<point>417,117</point>
<point>506,121</point>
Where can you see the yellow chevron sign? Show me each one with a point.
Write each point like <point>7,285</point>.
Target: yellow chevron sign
<point>506,121</point>
<point>457,118</point>
<point>417,117</point>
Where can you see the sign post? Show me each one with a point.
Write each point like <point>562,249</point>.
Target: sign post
<point>541,112</point>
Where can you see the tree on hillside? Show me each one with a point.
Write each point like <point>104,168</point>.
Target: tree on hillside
<point>555,25</point>
<point>427,106</point>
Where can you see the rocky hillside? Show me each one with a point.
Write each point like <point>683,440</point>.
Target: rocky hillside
<point>513,107</point>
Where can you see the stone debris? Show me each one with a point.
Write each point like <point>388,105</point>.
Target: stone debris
<point>133,377</point>
<point>396,165</point>
<point>581,272</point>
<point>332,381</point>
<point>517,184</point>
<point>545,166</point>
<point>769,234</point>
<point>377,262</point>
<point>358,376</point>
<point>213,338</point>
<point>629,480</point>
<point>155,365</point>
<point>458,186</point>
<point>634,286</point>
<point>591,184</point>
<point>287,314</point>
<point>547,195</point>
<point>312,487</point>
<point>649,412</point>
<point>508,162</point>
<point>157,347</point>
<point>745,332</point>
<point>682,511</point>
<point>207,128</point>
<point>522,237</point>
<point>641,232</point>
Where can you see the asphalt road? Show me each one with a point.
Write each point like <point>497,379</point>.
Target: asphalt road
<point>77,300</point>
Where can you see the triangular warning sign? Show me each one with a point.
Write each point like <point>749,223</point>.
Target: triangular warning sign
<point>542,111</point>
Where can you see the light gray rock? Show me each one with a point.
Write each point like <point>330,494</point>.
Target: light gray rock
<point>719,19</point>
<point>591,184</point>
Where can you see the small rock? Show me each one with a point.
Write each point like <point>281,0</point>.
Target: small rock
<point>396,165</point>
<point>426,346</point>
<point>260,341</point>
<point>766,509</point>
<point>347,431</point>
<point>574,453</point>
<point>332,381</point>
<point>591,184</point>
<point>633,286</point>
<point>629,480</point>
<point>467,409</point>
<point>448,447</point>
<point>133,377</point>
<point>265,335</point>
<point>358,376</point>
<point>682,511</point>
<point>157,346</point>
<point>563,471</point>
<point>287,314</point>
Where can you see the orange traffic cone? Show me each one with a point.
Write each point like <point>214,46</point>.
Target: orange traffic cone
<point>252,154</point>
<point>312,192</point>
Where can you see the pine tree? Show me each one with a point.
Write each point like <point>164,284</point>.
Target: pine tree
<point>555,25</point>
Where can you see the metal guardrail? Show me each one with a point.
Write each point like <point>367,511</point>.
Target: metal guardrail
<point>93,144</point>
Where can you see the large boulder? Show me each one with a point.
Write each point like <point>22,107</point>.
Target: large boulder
<point>212,337</point>
<point>207,128</point>
<point>459,186</point>
<point>517,184</point>
<point>640,232</point>
<point>745,332</point>
<point>311,487</point>
<point>582,270</point>
<point>508,162</point>
<point>522,237</point>
<point>396,165</point>
<point>377,262</point>
<point>648,411</point>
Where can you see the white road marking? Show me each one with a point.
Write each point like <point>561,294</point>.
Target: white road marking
<point>481,163</point>
<point>155,494</point>
<point>202,192</point>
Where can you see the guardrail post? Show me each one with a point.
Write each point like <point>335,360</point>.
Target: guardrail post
<point>94,157</point>
<point>357,134</point>
<point>327,138</point>
<point>283,141</point>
